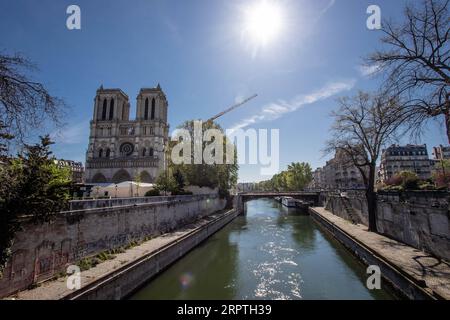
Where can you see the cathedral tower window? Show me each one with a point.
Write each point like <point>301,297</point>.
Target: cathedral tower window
<point>153,109</point>
<point>143,152</point>
<point>151,152</point>
<point>108,152</point>
<point>100,153</point>
<point>104,110</point>
<point>146,109</point>
<point>111,109</point>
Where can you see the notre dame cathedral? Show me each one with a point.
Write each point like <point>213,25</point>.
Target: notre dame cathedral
<point>121,149</point>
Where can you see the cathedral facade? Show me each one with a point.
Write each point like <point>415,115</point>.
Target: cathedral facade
<point>121,149</point>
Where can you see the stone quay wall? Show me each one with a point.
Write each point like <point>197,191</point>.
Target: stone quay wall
<point>42,251</point>
<point>122,282</point>
<point>420,219</point>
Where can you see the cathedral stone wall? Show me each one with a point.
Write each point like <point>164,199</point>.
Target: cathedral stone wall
<point>121,149</point>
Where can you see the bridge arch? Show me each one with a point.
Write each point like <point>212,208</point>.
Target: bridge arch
<point>242,198</point>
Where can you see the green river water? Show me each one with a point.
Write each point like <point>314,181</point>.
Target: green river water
<point>270,253</point>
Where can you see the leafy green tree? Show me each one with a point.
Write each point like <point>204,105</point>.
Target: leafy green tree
<point>223,176</point>
<point>298,176</point>
<point>441,175</point>
<point>179,179</point>
<point>295,178</point>
<point>410,180</point>
<point>4,139</point>
<point>138,180</point>
<point>32,188</point>
<point>166,182</point>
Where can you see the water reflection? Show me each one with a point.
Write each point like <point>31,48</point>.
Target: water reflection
<point>271,253</point>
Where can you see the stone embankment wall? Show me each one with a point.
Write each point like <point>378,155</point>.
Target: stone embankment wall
<point>420,219</point>
<point>42,251</point>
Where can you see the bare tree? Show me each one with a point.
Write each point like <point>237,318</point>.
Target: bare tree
<point>362,126</point>
<point>25,105</point>
<point>415,60</point>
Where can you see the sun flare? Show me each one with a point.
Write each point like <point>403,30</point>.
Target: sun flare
<point>263,22</point>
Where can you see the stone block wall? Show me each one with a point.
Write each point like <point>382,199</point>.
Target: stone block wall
<point>42,251</point>
<point>338,205</point>
<point>420,219</point>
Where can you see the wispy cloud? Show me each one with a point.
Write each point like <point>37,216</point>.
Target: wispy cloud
<point>173,29</point>
<point>73,134</point>
<point>277,109</point>
<point>328,7</point>
<point>368,70</point>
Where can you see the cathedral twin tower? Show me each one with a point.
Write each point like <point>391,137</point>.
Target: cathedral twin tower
<point>121,149</point>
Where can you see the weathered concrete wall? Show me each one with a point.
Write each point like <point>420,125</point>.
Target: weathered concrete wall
<point>41,251</point>
<point>419,219</point>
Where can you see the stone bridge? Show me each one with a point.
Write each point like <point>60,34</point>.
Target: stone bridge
<point>302,195</point>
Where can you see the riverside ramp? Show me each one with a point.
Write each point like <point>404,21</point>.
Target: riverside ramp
<point>415,273</point>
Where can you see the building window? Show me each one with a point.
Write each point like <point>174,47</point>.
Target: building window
<point>111,109</point>
<point>151,152</point>
<point>108,152</point>
<point>100,153</point>
<point>123,111</point>
<point>143,152</point>
<point>153,109</point>
<point>146,109</point>
<point>104,110</point>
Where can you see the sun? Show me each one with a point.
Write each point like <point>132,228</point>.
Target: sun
<point>263,22</point>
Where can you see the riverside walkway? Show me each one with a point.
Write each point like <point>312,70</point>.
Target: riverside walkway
<point>424,270</point>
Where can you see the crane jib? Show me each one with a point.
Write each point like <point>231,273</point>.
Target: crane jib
<point>232,107</point>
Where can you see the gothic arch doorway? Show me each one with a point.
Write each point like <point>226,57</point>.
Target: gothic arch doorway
<point>99,178</point>
<point>146,177</point>
<point>121,176</point>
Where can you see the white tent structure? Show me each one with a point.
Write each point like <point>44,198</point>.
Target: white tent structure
<point>124,189</point>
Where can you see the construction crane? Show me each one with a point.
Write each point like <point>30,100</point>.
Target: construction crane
<point>232,108</point>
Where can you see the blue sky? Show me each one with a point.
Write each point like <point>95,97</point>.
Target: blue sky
<point>196,51</point>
